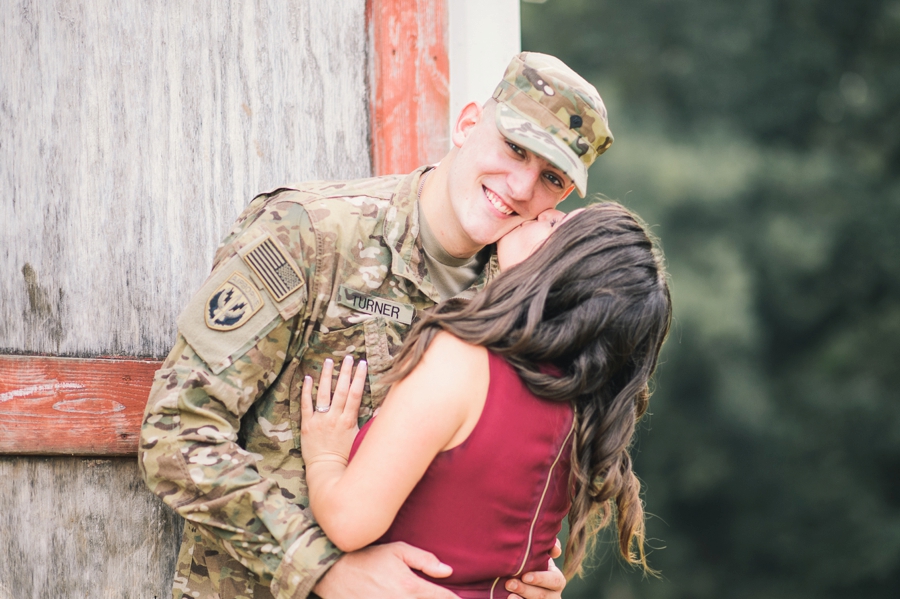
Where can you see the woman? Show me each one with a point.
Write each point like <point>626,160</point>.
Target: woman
<point>506,412</point>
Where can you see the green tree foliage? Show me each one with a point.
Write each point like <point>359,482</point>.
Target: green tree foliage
<point>761,139</point>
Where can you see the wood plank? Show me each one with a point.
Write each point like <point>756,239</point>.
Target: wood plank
<point>411,70</point>
<point>83,528</point>
<point>74,406</point>
<point>133,133</point>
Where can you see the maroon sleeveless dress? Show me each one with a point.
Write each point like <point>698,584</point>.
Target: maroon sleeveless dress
<point>491,507</point>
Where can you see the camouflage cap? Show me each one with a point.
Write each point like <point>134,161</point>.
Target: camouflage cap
<point>548,108</point>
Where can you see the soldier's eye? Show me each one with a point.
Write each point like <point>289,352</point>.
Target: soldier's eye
<point>554,180</point>
<point>516,149</point>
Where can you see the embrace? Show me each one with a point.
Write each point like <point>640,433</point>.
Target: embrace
<point>506,346</point>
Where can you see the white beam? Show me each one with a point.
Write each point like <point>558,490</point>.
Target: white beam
<point>484,36</point>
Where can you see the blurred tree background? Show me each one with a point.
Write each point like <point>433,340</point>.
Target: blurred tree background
<point>761,140</point>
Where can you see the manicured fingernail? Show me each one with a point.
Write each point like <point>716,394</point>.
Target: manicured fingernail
<point>329,361</point>
<point>307,378</point>
<point>528,578</point>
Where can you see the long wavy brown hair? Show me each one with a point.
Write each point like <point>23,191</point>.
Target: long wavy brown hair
<point>594,302</point>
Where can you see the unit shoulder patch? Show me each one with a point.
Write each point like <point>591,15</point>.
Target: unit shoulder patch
<point>232,304</point>
<point>228,315</point>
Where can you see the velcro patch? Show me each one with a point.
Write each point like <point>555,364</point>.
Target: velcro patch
<point>232,304</point>
<point>216,324</point>
<point>274,267</point>
<point>369,304</point>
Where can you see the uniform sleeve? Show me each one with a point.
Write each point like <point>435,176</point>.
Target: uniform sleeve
<point>189,451</point>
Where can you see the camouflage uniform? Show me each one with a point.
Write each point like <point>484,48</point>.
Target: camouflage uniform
<point>320,270</point>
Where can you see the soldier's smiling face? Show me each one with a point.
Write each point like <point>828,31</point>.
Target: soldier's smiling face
<point>494,184</point>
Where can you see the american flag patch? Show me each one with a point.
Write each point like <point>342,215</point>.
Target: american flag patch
<point>274,267</point>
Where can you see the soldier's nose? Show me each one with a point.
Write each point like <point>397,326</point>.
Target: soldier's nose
<point>522,181</point>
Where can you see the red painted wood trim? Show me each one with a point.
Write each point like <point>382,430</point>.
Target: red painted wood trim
<point>410,70</point>
<point>72,406</point>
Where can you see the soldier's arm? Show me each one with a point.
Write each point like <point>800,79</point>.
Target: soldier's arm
<point>190,458</point>
<point>189,450</point>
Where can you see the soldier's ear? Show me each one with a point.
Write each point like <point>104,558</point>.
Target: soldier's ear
<point>468,117</point>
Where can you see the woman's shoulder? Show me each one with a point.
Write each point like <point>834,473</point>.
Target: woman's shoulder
<point>456,362</point>
<point>459,376</point>
<point>442,396</point>
<point>452,345</point>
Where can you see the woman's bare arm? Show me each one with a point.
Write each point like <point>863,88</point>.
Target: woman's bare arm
<point>433,409</point>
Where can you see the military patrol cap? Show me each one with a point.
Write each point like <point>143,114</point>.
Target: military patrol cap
<point>546,107</point>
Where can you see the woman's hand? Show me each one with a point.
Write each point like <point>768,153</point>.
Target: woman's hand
<point>355,503</point>
<point>329,425</point>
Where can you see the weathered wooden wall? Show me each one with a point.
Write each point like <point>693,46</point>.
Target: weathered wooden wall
<point>131,134</point>
<point>76,528</point>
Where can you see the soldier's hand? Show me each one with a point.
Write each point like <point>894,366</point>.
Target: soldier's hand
<point>329,425</point>
<point>384,572</point>
<point>540,585</point>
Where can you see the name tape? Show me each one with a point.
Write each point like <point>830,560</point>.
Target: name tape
<point>375,305</point>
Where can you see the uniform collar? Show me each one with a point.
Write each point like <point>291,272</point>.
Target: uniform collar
<point>401,234</point>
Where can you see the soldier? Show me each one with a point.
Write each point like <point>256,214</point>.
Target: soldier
<point>328,269</point>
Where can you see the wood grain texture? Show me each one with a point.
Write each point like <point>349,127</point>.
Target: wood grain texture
<point>52,406</point>
<point>76,528</point>
<point>411,83</point>
<point>131,135</point>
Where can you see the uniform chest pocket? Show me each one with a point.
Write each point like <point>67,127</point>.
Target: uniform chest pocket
<point>368,340</point>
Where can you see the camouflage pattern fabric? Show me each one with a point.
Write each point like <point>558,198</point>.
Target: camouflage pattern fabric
<point>548,108</point>
<point>220,439</point>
